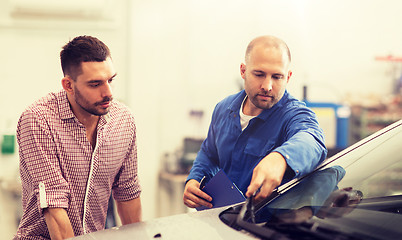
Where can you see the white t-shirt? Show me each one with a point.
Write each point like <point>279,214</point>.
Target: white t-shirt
<point>244,119</point>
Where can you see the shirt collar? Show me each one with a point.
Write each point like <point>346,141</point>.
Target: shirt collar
<point>235,105</point>
<point>104,119</point>
<point>64,105</point>
<point>67,113</point>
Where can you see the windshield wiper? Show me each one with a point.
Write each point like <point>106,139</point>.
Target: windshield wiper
<point>285,231</point>
<point>314,230</point>
<point>246,220</point>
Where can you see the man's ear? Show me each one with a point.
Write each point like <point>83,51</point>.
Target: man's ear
<point>243,70</point>
<point>67,84</point>
<point>289,75</point>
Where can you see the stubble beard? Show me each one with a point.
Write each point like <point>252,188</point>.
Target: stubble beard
<point>86,105</point>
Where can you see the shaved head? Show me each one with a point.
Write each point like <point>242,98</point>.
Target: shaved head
<point>267,42</point>
<point>265,72</point>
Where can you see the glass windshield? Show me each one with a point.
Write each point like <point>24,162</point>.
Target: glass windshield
<point>357,193</point>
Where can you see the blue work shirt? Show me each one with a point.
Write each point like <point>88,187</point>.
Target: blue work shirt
<point>289,128</point>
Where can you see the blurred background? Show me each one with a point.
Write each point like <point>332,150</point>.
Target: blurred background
<point>176,59</point>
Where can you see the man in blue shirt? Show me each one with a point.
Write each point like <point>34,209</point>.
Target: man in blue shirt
<point>261,137</point>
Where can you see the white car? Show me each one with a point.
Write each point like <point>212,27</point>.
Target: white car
<point>356,194</point>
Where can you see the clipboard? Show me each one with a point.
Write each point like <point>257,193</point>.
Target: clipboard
<point>223,191</point>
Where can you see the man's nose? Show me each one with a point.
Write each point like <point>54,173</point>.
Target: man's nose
<point>107,90</point>
<point>267,84</point>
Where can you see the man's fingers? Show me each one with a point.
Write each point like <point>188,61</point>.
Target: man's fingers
<point>255,184</point>
<point>268,174</point>
<point>265,191</point>
<point>252,189</point>
<point>263,187</point>
<point>190,203</point>
<point>196,202</point>
<point>196,193</point>
<point>201,198</point>
<point>203,195</point>
<point>194,197</point>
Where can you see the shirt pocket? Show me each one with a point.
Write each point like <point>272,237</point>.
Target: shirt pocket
<point>259,147</point>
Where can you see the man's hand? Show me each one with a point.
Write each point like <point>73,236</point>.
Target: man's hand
<point>268,175</point>
<point>193,196</point>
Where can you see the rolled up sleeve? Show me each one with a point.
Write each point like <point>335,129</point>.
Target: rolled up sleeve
<point>304,148</point>
<point>39,164</point>
<point>127,186</point>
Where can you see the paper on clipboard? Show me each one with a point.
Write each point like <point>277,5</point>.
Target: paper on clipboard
<point>223,191</point>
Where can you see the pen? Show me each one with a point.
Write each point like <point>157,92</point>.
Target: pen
<point>202,182</point>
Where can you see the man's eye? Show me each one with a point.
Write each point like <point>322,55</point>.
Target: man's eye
<point>277,77</point>
<point>94,85</point>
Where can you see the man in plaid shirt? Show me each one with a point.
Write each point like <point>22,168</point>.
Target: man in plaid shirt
<point>76,147</point>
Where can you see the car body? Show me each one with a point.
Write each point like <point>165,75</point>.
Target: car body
<point>356,194</point>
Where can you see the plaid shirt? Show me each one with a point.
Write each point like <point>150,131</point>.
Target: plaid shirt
<point>60,169</point>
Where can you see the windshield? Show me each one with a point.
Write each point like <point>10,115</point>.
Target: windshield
<point>356,194</point>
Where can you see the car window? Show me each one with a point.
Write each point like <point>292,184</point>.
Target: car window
<point>387,182</point>
<point>356,194</point>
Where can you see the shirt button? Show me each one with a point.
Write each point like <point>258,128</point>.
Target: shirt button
<point>234,115</point>
<point>287,156</point>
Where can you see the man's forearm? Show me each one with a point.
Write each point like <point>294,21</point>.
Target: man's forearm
<point>58,223</point>
<point>130,211</point>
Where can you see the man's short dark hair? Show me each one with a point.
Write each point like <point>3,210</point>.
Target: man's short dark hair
<point>82,49</point>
